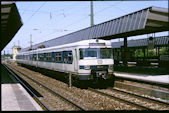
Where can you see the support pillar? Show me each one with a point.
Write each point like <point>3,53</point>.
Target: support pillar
<point>70,80</point>
<point>144,52</point>
<point>125,52</point>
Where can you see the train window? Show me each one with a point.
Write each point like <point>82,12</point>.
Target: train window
<point>48,57</point>
<point>105,53</point>
<point>34,57</point>
<point>58,57</point>
<point>53,57</point>
<point>70,57</point>
<point>27,57</point>
<point>40,57</point>
<point>88,53</point>
<point>81,54</point>
<point>64,57</point>
<point>31,56</point>
<point>17,56</point>
<point>44,56</point>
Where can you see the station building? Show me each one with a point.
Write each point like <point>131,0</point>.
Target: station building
<point>15,50</point>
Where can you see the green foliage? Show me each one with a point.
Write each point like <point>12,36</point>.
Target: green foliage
<point>151,53</point>
<point>139,53</point>
<point>163,51</point>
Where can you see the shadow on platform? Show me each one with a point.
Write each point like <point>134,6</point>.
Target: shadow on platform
<point>6,78</point>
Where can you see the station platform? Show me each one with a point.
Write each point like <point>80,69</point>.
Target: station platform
<point>160,79</point>
<point>142,73</point>
<point>13,96</point>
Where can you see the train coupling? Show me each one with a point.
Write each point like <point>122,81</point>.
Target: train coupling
<point>101,74</point>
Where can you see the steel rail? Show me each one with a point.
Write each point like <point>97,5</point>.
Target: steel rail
<point>119,99</point>
<point>44,107</point>
<point>142,97</point>
<point>54,92</point>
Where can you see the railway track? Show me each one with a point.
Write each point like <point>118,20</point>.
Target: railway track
<point>119,99</point>
<point>141,97</point>
<point>44,106</point>
<point>146,103</point>
<point>50,90</point>
<point>85,98</point>
<point>89,100</point>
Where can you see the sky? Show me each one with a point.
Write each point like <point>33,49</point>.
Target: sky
<point>45,20</point>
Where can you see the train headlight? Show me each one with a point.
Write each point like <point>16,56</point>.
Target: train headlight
<point>86,67</point>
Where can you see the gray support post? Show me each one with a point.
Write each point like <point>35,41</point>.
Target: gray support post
<point>70,80</point>
<point>91,15</point>
<point>125,52</point>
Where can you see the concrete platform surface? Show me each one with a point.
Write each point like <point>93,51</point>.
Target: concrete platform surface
<point>163,79</point>
<point>15,98</point>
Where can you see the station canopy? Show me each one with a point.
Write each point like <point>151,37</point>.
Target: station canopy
<point>161,41</point>
<point>10,22</point>
<point>149,20</point>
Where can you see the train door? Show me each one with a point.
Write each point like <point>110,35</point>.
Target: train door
<point>64,60</point>
<point>75,60</point>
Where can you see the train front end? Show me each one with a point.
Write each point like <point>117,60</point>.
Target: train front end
<point>96,61</point>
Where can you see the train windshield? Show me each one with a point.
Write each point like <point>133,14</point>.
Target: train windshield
<point>101,53</point>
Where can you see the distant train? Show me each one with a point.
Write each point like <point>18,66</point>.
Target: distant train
<point>85,60</point>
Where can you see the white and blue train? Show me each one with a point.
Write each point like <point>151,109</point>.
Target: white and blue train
<point>85,60</point>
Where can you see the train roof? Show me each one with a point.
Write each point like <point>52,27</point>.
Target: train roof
<point>80,43</point>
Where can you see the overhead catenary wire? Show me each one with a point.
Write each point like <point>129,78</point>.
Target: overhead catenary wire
<point>77,21</point>
<point>71,23</point>
<point>88,16</point>
<point>46,12</point>
<point>115,6</point>
<point>111,6</point>
<point>60,14</point>
<point>94,14</point>
<point>25,9</point>
<point>36,11</point>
